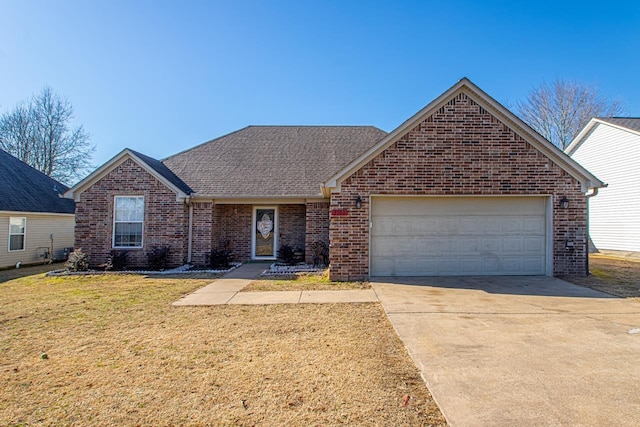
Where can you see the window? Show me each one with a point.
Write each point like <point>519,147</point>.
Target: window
<point>17,231</point>
<point>128,222</point>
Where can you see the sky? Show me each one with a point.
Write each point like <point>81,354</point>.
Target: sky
<point>163,76</point>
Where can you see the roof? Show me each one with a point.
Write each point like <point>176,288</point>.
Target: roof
<point>25,189</point>
<point>271,161</point>
<point>629,124</point>
<point>151,165</point>
<point>164,171</point>
<point>586,178</point>
<point>632,123</point>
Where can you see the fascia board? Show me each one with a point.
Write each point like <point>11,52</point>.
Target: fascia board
<point>118,159</point>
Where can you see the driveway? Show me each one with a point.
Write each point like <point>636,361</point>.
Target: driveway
<point>520,351</point>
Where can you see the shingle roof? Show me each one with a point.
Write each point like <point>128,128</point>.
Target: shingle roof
<point>25,189</point>
<point>272,160</point>
<point>160,168</point>
<point>632,123</point>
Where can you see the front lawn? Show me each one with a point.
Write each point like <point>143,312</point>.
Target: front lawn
<point>111,350</point>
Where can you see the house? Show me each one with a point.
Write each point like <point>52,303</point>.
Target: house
<point>36,224</point>
<point>610,147</point>
<point>463,187</point>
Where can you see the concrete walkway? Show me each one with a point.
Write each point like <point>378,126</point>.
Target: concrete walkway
<point>226,290</point>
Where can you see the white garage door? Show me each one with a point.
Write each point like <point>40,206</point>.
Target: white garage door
<point>458,236</point>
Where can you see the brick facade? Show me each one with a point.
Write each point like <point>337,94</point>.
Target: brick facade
<point>165,218</point>
<point>215,224</point>
<point>292,226</point>
<point>317,219</point>
<point>461,149</point>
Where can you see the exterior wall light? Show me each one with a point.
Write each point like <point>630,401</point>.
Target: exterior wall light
<point>564,202</point>
<point>358,202</point>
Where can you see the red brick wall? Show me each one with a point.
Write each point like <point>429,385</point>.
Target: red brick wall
<point>233,223</point>
<point>165,218</point>
<point>215,224</point>
<point>459,150</point>
<point>202,232</point>
<point>317,219</point>
<point>291,226</point>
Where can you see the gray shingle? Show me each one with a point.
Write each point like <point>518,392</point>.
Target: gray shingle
<point>25,189</point>
<point>160,168</point>
<point>272,160</point>
<point>632,123</point>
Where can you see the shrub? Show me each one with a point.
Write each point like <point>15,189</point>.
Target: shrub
<point>220,258</point>
<point>158,257</point>
<point>287,255</point>
<point>117,260</point>
<point>78,261</point>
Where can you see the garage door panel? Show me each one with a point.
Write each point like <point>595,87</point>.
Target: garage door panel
<point>534,244</point>
<point>458,236</point>
<point>534,225</point>
<point>511,244</point>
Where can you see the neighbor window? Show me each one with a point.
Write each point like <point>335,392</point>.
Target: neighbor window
<point>128,221</point>
<point>17,230</point>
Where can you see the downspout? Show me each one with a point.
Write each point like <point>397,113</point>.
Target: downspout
<point>586,262</point>
<point>190,231</point>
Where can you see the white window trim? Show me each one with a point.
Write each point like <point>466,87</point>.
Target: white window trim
<point>24,240</point>
<point>113,237</point>
<point>276,224</point>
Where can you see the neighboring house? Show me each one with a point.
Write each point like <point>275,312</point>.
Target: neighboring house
<point>463,187</point>
<point>35,222</point>
<point>610,148</point>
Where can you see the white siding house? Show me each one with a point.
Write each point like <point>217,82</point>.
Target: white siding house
<point>610,149</point>
<point>36,224</point>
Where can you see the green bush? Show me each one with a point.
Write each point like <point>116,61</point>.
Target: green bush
<point>219,258</point>
<point>78,261</point>
<point>287,255</point>
<point>158,258</point>
<point>117,260</point>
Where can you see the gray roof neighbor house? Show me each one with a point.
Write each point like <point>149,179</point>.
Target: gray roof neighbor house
<point>25,189</point>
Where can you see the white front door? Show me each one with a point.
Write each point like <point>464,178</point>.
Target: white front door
<point>264,235</point>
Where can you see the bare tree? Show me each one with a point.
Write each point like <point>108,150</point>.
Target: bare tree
<point>39,133</point>
<point>559,110</point>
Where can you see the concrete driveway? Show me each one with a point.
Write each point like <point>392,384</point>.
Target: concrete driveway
<point>520,351</point>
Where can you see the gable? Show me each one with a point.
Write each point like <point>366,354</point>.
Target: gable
<point>610,152</point>
<point>461,148</point>
<point>615,127</point>
<point>463,129</point>
<point>150,166</point>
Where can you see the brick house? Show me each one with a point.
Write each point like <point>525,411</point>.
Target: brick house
<point>463,187</point>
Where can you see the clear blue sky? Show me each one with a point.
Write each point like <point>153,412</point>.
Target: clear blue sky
<point>163,76</point>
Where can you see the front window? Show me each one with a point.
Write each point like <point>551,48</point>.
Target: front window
<point>17,231</point>
<point>128,221</point>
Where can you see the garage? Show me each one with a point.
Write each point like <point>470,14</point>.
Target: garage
<point>459,236</point>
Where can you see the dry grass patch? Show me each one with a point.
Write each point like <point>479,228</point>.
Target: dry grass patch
<point>119,354</point>
<point>620,277</point>
<point>302,282</point>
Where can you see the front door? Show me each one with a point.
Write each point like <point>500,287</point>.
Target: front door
<point>265,232</point>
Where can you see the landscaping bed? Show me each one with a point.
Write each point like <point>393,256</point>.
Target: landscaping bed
<point>111,350</point>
